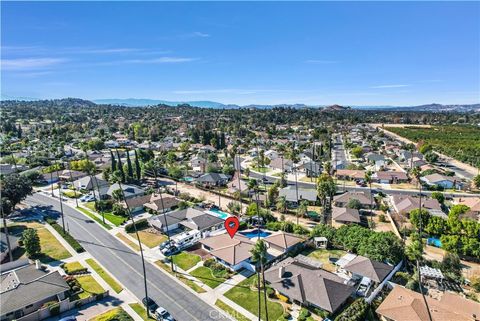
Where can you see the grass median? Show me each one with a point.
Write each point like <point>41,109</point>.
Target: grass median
<point>94,217</point>
<point>104,275</point>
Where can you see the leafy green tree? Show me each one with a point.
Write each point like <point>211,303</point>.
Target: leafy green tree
<point>436,226</point>
<point>431,157</point>
<point>416,215</point>
<point>354,203</point>
<point>252,209</point>
<point>414,250</point>
<point>14,189</point>
<point>302,208</point>
<point>453,222</point>
<point>471,228</point>
<point>357,151</point>
<point>425,148</point>
<point>96,144</point>
<point>476,181</point>
<point>451,243</point>
<point>326,188</point>
<point>272,193</point>
<point>281,204</point>
<point>451,266</point>
<point>31,242</point>
<point>439,197</point>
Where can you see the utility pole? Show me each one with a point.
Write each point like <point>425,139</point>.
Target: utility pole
<point>60,199</point>
<point>139,244</point>
<point>73,184</point>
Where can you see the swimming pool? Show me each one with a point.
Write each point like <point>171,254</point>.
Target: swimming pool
<point>254,233</point>
<point>218,213</point>
<point>434,241</point>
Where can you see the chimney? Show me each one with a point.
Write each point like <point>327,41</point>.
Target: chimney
<point>38,265</point>
<point>281,270</point>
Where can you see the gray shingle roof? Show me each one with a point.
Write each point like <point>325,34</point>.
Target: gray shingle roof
<point>308,284</point>
<point>32,285</point>
<point>376,271</point>
<point>290,194</point>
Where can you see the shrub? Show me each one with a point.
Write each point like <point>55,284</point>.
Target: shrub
<point>103,206</point>
<point>54,309</point>
<point>140,224</point>
<point>271,294</point>
<point>70,240</point>
<point>209,262</point>
<point>354,312</point>
<point>119,210</point>
<point>381,218</point>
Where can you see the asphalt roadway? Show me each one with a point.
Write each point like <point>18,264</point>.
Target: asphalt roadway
<point>126,265</point>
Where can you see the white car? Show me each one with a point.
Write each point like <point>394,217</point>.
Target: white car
<point>87,198</point>
<point>163,315</point>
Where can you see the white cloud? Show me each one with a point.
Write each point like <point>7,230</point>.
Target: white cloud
<point>30,63</point>
<point>389,86</point>
<point>201,34</point>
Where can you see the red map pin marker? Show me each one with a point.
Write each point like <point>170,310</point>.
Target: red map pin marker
<point>231,225</point>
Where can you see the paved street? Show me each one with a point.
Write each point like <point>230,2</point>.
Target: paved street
<point>126,265</point>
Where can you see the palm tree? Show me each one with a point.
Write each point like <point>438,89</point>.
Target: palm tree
<point>281,204</point>
<point>259,256</point>
<point>368,180</point>
<point>302,208</point>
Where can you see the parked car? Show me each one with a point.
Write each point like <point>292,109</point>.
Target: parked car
<point>364,286</point>
<point>150,304</point>
<point>87,198</point>
<point>164,245</point>
<point>163,315</point>
<point>170,250</point>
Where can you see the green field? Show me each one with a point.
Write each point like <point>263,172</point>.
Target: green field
<point>459,142</point>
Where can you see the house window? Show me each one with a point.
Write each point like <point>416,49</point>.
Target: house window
<point>29,306</point>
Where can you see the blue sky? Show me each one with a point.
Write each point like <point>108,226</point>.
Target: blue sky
<point>351,53</point>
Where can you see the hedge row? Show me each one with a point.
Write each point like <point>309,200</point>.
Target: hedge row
<point>70,240</point>
<point>140,224</point>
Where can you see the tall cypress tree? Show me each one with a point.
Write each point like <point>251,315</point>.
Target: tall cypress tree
<point>137,166</point>
<point>129,166</point>
<point>114,163</point>
<point>120,167</point>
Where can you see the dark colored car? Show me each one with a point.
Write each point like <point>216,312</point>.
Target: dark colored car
<point>150,304</point>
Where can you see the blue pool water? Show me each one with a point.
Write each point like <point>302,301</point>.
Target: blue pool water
<point>254,233</point>
<point>221,214</point>
<point>434,241</point>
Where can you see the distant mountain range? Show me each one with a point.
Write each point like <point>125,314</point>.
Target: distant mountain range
<point>135,102</point>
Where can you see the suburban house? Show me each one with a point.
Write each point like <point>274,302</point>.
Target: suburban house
<point>271,154</point>
<point>345,215</point>
<point>71,175</point>
<point>198,163</point>
<point>25,289</point>
<point>350,174</point>
<point>237,185</point>
<point>234,252</point>
<point>308,285</point>
<point>190,218</point>
<point>213,179</point>
<point>290,193</point>
<point>283,242</point>
<point>365,198</point>
<point>49,178</point>
<point>161,204</point>
<point>442,181</point>
<point>90,183</point>
<point>403,304</point>
<point>130,191</point>
<point>404,204</point>
<point>361,266</point>
<point>311,168</point>
<point>391,177</point>
<point>282,164</point>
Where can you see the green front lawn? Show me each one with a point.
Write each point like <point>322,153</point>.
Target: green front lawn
<point>185,260</point>
<point>140,310</point>
<point>205,275</point>
<point>73,267</point>
<point>323,257</point>
<point>242,295</point>
<point>104,275</point>
<point>89,286</point>
<point>261,169</point>
<point>231,311</point>
<point>191,284</point>
<point>117,314</point>
<point>112,218</point>
<point>52,249</point>
<point>72,194</point>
